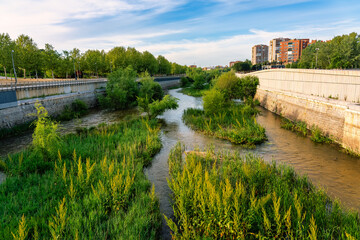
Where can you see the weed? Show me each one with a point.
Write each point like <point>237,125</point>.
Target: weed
<point>231,196</point>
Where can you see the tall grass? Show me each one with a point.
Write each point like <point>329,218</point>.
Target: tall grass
<point>300,127</point>
<point>236,124</point>
<point>228,196</point>
<point>92,187</point>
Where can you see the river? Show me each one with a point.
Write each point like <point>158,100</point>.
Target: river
<point>325,165</point>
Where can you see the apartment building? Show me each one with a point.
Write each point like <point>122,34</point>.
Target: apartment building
<point>260,54</point>
<point>274,49</point>
<point>291,50</point>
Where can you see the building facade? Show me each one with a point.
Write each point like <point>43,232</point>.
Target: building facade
<point>259,54</point>
<point>291,50</point>
<point>274,49</point>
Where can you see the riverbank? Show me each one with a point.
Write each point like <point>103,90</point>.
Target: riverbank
<point>229,196</point>
<point>94,187</point>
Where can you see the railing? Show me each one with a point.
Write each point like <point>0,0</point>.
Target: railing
<point>23,85</point>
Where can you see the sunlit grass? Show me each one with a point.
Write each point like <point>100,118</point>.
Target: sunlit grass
<point>228,196</point>
<point>92,188</point>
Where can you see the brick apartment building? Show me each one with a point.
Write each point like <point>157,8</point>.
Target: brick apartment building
<point>274,49</point>
<point>233,63</point>
<point>259,54</point>
<point>291,50</point>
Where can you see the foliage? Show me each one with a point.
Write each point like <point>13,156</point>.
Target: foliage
<point>231,196</point>
<point>237,88</point>
<point>78,108</point>
<point>121,90</point>
<point>157,107</point>
<point>341,52</point>
<point>45,136</point>
<point>214,102</point>
<point>93,188</point>
<point>318,136</point>
<point>184,81</point>
<point>199,81</point>
<point>191,91</point>
<point>236,123</point>
<point>150,89</point>
<point>299,127</point>
<point>242,66</point>
<point>49,62</point>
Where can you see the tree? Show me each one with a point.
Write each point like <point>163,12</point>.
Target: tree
<point>52,59</point>
<point>242,66</point>
<point>6,45</point>
<point>26,50</point>
<point>149,63</point>
<point>164,65</point>
<point>116,58</point>
<point>121,89</point>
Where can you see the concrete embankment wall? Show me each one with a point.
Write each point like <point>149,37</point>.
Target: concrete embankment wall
<point>340,84</point>
<point>56,88</point>
<point>292,98</point>
<point>24,111</point>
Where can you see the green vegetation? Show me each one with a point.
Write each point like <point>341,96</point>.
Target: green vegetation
<point>121,90</point>
<point>157,107</point>
<point>88,185</point>
<point>225,119</point>
<point>242,66</point>
<point>77,109</point>
<point>236,124</point>
<point>34,62</point>
<point>341,52</point>
<point>316,135</point>
<point>16,130</point>
<point>191,91</point>
<point>229,196</point>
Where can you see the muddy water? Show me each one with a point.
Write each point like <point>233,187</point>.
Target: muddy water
<point>328,168</point>
<point>93,118</point>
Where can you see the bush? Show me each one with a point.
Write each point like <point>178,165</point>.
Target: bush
<point>229,84</point>
<point>214,101</point>
<point>159,107</point>
<point>45,136</point>
<point>184,81</point>
<point>237,88</point>
<point>199,81</point>
<point>150,89</point>
<point>121,90</point>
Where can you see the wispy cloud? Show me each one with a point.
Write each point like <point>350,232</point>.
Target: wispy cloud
<point>203,32</point>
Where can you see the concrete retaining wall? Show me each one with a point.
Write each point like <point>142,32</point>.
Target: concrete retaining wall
<point>23,112</point>
<point>339,119</point>
<point>58,88</point>
<point>340,84</point>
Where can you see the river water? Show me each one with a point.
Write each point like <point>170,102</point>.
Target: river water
<point>324,164</point>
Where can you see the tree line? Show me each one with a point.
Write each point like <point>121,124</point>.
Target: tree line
<point>32,61</point>
<point>340,52</point>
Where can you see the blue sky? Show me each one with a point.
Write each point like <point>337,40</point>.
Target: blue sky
<point>205,33</point>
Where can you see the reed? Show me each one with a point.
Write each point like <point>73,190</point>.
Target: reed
<point>236,123</point>
<point>91,187</point>
<point>228,196</point>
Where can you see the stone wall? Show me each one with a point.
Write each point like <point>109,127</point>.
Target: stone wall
<point>25,110</point>
<point>339,119</point>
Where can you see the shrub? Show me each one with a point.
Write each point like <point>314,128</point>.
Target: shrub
<point>159,107</point>
<point>150,89</point>
<point>121,90</point>
<point>229,84</point>
<point>184,81</point>
<point>45,136</point>
<point>199,81</point>
<point>214,101</point>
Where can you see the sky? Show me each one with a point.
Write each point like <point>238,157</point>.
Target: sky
<point>204,33</point>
